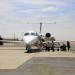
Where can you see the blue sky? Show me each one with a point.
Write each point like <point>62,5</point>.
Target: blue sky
<point>15,14</point>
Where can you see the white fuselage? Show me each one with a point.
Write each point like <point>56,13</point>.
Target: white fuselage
<point>30,38</point>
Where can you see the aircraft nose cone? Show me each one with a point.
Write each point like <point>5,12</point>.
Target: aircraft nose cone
<point>30,40</point>
<point>27,40</point>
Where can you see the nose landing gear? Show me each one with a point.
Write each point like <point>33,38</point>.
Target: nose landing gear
<point>28,48</point>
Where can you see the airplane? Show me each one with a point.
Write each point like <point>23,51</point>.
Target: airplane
<point>31,38</point>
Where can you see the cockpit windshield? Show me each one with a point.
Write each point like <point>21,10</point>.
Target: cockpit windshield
<point>33,34</point>
<point>26,34</point>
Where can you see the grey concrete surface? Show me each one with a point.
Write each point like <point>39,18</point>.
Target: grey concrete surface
<point>13,57</point>
<point>15,61</point>
<point>44,66</point>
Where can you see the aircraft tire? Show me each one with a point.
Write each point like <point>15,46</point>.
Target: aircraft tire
<point>53,50</point>
<point>58,49</point>
<point>28,48</point>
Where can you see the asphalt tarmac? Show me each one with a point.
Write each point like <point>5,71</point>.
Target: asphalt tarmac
<point>16,61</point>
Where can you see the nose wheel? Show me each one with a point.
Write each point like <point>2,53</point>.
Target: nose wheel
<point>28,48</point>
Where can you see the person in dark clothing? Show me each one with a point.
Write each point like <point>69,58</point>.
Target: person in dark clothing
<point>47,46</point>
<point>1,43</point>
<point>52,48</point>
<point>68,45</point>
<point>63,47</point>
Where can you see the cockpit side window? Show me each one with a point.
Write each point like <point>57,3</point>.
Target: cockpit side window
<point>34,34</point>
<point>26,34</point>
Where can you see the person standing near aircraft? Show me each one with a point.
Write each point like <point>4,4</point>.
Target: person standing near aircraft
<point>48,46</point>
<point>53,46</point>
<point>52,40</point>
<point>1,43</point>
<point>68,45</point>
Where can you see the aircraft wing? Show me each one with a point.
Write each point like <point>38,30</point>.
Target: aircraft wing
<point>11,41</point>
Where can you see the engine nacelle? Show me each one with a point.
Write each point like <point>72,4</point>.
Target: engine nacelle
<point>48,35</point>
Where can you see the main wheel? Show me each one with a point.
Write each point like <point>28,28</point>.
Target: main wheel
<point>58,49</point>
